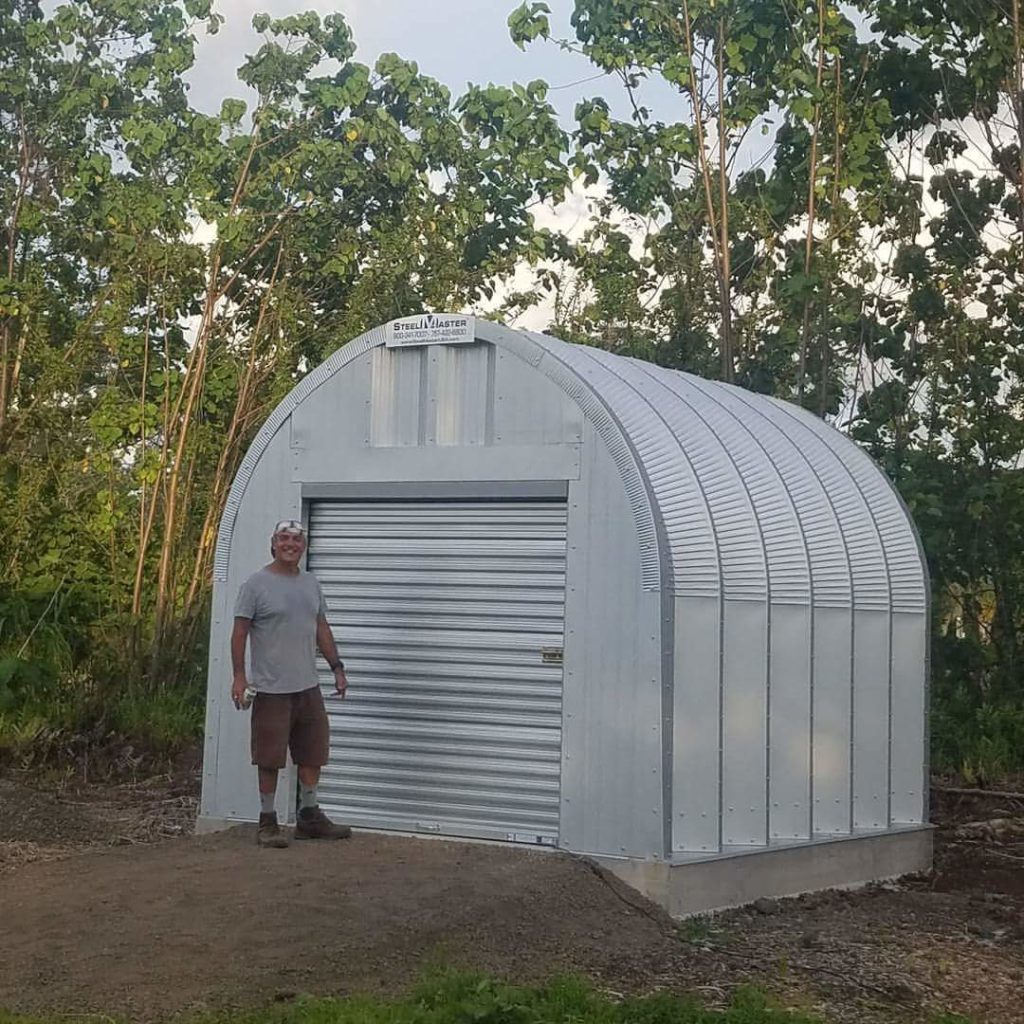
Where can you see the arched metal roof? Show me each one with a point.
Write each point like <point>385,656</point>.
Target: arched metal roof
<point>734,495</point>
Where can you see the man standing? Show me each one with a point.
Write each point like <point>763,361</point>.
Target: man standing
<point>281,610</point>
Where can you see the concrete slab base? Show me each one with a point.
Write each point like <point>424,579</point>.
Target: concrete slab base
<point>701,884</point>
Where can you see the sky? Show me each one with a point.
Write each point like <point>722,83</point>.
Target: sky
<point>454,41</point>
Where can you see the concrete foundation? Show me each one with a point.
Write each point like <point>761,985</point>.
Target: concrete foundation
<point>701,884</point>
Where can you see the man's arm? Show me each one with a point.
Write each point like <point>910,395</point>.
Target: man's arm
<point>239,636</point>
<point>325,641</point>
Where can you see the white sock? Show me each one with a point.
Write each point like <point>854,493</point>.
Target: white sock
<point>267,803</point>
<point>307,796</point>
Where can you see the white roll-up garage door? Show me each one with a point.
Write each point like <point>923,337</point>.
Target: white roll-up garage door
<point>450,618</point>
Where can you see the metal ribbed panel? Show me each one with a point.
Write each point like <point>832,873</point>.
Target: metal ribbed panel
<point>465,376</point>
<point>610,431</point>
<point>780,536</point>
<point>708,527</point>
<point>443,612</point>
<point>863,543</point>
<point>903,555</point>
<point>396,397</point>
<point>830,564</point>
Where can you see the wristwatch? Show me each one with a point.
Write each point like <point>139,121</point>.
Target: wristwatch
<point>335,665</point>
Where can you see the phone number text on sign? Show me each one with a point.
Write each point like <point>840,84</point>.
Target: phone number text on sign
<point>430,329</point>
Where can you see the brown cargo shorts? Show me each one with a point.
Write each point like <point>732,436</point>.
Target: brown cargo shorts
<point>290,721</point>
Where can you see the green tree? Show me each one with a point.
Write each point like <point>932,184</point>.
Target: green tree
<point>169,275</point>
<point>863,259</point>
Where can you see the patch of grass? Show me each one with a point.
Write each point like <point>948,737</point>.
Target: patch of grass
<point>159,720</point>
<point>101,730</point>
<point>461,998</point>
<point>700,930</point>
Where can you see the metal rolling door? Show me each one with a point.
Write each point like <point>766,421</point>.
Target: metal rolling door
<point>450,618</point>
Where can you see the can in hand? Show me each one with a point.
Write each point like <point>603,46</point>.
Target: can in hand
<point>248,694</point>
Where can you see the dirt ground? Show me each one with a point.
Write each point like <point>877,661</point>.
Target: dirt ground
<point>110,905</point>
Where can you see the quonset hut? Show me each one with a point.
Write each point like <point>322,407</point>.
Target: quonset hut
<point>590,603</point>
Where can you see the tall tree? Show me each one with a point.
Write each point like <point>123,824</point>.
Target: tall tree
<point>169,275</point>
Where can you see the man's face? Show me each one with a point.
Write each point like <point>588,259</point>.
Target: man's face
<point>289,547</point>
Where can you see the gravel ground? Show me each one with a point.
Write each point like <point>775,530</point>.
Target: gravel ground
<point>112,906</point>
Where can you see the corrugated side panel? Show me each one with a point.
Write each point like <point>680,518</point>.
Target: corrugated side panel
<point>830,565</point>
<point>683,481</point>
<point>450,617</point>
<point>863,544</point>
<point>909,696</point>
<point>697,727</point>
<point>871,719</point>
<point>832,722</point>
<point>906,568</point>
<point>560,369</point>
<point>741,550</point>
<point>681,457</point>
<point>789,574</point>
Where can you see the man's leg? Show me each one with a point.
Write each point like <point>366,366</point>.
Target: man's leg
<point>270,719</point>
<point>311,742</point>
<point>268,789</point>
<point>309,779</point>
<point>312,823</point>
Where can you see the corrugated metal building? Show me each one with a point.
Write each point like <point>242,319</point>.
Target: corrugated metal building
<point>590,603</point>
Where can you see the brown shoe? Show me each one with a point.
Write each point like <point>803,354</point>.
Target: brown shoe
<point>268,832</point>
<point>314,824</point>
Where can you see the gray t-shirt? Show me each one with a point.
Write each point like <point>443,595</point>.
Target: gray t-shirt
<point>284,610</point>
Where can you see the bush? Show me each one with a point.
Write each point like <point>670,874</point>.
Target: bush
<point>978,738</point>
<point>75,689</point>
